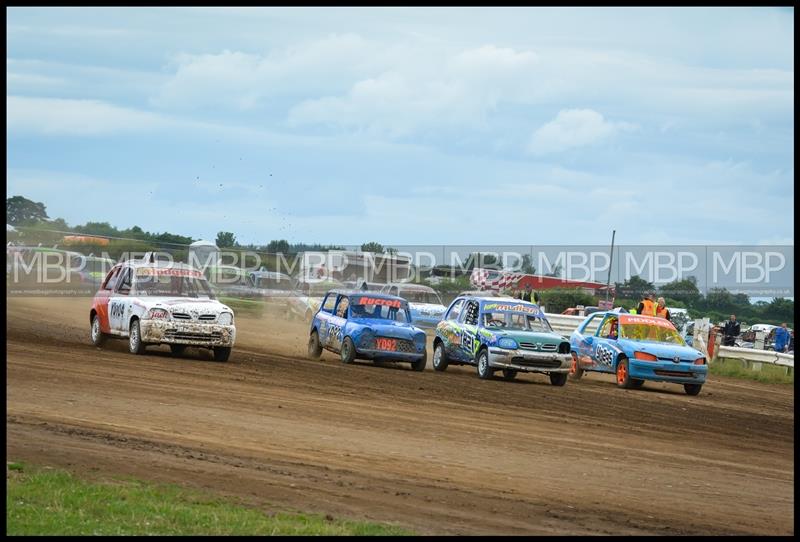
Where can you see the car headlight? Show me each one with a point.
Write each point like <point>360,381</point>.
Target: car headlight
<point>507,343</point>
<point>158,314</point>
<point>225,319</point>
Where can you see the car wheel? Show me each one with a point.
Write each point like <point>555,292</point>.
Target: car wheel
<point>135,344</point>
<point>692,389</point>
<point>575,372</point>
<point>314,348</point>
<point>509,374</point>
<point>484,371</point>
<point>623,375</point>
<point>222,353</point>
<point>419,365</point>
<point>439,358</point>
<point>558,379</point>
<point>98,337</point>
<point>348,350</point>
<point>177,349</point>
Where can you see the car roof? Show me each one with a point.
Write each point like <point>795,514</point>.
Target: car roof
<point>497,299</point>
<point>367,293</point>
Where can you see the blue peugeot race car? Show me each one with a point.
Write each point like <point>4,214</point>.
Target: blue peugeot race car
<point>497,333</point>
<point>636,348</point>
<point>366,325</point>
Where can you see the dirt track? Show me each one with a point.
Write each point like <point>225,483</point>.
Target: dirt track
<point>438,453</point>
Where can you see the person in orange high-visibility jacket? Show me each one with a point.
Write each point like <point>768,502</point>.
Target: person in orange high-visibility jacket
<point>661,309</point>
<point>647,306</point>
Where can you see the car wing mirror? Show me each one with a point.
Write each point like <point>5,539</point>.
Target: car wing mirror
<point>589,340</point>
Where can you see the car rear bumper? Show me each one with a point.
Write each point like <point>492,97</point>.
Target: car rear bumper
<point>171,332</point>
<point>532,362</point>
<point>679,373</point>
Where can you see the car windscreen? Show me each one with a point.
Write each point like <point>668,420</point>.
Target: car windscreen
<point>515,321</point>
<point>651,332</point>
<point>177,283</point>
<point>420,296</point>
<point>380,308</point>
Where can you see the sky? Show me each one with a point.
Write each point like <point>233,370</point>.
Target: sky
<point>408,126</point>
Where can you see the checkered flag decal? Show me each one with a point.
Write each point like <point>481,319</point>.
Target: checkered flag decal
<point>604,355</point>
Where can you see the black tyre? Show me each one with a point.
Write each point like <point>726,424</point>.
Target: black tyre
<point>692,389</point>
<point>622,374</point>
<point>135,343</point>
<point>348,350</point>
<point>509,374</point>
<point>420,364</point>
<point>575,371</point>
<point>484,371</point>
<point>314,347</point>
<point>98,337</point>
<point>222,353</point>
<point>177,349</point>
<point>439,357</point>
<point>558,379</point>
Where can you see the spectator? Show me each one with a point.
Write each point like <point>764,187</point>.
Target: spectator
<point>647,306</point>
<point>782,338</point>
<point>530,295</point>
<point>730,331</point>
<point>661,309</point>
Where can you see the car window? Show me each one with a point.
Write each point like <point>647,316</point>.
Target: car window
<point>593,320</point>
<point>124,281</point>
<point>455,310</point>
<point>609,329</point>
<point>471,313</point>
<point>111,279</point>
<point>341,307</point>
<point>329,303</point>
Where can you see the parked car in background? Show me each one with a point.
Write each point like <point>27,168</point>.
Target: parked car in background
<point>306,297</point>
<point>425,304</point>
<point>580,310</point>
<point>500,334</point>
<point>152,302</point>
<point>367,325</point>
<point>636,348</point>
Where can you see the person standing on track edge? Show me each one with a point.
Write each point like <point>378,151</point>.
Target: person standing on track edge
<point>530,295</point>
<point>647,306</point>
<point>730,331</point>
<point>782,338</point>
<point>661,309</point>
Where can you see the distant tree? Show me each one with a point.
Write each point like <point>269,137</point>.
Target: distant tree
<point>527,267</point>
<point>558,299</point>
<point>633,288</point>
<point>21,211</point>
<point>280,245</point>
<point>556,272</point>
<point>685,291</point>
<point>372,246</point>
<point>226,239</point>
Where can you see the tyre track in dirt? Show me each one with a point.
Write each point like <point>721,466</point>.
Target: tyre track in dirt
<point>440,453</point>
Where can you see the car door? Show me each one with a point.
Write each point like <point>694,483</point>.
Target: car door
<point>119,306</point>
<point>469,330</point>
<point>103,296</point>
<point>336,323</point>
<point>586,341</point>
<point>604,348</point>
<point>449,328</point>
<point>324,318</point>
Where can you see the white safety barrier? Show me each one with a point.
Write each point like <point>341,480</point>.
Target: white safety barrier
<point>758,356</point>
<point>565,324</point>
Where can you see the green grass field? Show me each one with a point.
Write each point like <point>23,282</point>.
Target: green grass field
<point>768,374</point>
<point>43,501</point>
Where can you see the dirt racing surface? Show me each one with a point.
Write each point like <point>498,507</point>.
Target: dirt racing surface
<point>439,453</point>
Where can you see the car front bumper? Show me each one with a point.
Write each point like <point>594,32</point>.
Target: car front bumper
<point>532,362</point>
<point>667,371</point>
<point>196,334</point>
<point>388,354</point>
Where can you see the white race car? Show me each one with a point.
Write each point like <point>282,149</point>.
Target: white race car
<point>154,302</point>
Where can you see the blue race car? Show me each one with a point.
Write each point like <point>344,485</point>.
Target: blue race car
<point>636,348</point>
<point>367,325</point>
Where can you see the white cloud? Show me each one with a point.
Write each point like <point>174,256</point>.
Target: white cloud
<point>55,116</point>
<point>575,128</point>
